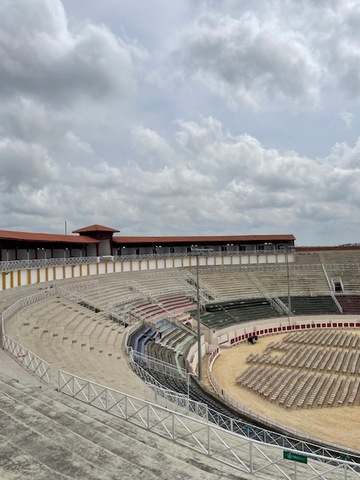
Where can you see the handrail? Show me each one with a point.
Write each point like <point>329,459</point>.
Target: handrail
<point>24,302</point>
<point>10,265</point>
<point>242,453</point>
<point>27,358</point>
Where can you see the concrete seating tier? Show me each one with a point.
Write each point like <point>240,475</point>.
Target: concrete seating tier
<point>307,258</point>
<point>348,275</point>
<point>235,283</point>
<point>46,435</point>
<point>176,302</point>
<point>228,283</point>
<point>157,284</point>
<point>114,287</point>
<point>350,304</point>
<point>71,337</point>
<point>316,369</point>
<point>312,305</point>
<point>343,257</point>
<point>161,308</point>
<point>302,280</point>
<point>110,288</point>
<point>222,314</point>
<point>165,341</point>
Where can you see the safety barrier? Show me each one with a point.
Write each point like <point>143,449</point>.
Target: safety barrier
<point>240,452</point>
<point>27,359</point>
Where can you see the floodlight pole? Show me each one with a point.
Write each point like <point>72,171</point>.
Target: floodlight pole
<point>197,252</point>
<point>198,318</point>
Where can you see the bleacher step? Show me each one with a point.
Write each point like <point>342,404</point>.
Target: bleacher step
<point>15,464</point>
<point>96,439</point>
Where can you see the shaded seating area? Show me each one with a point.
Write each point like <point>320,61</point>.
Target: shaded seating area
<point>222,314</point>
<point>164,341</point>
<point>349,303</point>
<point>312,305</point>
<point>162,307</point>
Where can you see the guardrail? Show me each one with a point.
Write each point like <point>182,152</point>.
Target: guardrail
<point>24,302</point>
<point>157,365</point>
<point>177,402</point>
<point>21,354</point>
<point>240,452</point>
<point>9,265</point>
<point>27,358</point>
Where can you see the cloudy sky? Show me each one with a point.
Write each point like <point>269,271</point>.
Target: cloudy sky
<point>181,117</point>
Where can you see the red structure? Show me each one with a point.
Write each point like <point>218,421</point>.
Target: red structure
<point>98,240</point>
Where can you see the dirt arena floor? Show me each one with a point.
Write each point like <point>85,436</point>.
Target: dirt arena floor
<point>337,425</point>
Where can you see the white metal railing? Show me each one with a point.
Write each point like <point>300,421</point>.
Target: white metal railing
<point>79,285</point>
<point>73,295</point>
<point>126,299</point>
<point>157,365</point>
<point>240,452</point>
<point>24,302</point>
<point>27,358</point>
<point>236,425</point>
<point>10,265</point>
<point>177,402</point>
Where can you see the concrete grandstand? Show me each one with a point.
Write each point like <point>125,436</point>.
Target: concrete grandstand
<point>121,335</point>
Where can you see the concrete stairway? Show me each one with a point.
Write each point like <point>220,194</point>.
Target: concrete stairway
<point>45,434</point>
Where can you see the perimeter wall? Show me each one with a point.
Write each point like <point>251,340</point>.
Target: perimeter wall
<point>29,272</point>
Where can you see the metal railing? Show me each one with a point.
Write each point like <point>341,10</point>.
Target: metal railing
<point>157,365</point>
<point>27,358</point>
<point>240,452</point>
<point>10,265</point>
<point>24,302</point>
<point>177,402</point>
<point>79,285</point>
<point>21,354</point>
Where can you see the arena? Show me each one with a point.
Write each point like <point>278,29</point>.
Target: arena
<point>279,377</point>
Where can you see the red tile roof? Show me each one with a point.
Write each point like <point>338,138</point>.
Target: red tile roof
<point>207,239</point>
<point>95,228</point>
<point>44,237</point>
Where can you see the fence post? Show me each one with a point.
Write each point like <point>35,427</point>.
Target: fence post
<point>251,467</point>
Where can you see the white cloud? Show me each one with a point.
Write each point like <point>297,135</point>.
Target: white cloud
<point>347,118</point>
<point>41,57</point>
<point>245,59</point>
<point>150,147</point>
<point>23,164</point>
<point>202,131</point>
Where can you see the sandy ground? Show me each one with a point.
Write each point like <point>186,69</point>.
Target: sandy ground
<point>337,425</point>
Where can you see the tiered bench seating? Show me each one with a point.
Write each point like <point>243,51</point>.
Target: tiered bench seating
<point>312,305</point>
<point>222,314</point>
<point>228,283</point>
<point>163,340</point>
<point>350,304</point>
<point>315,369</point>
